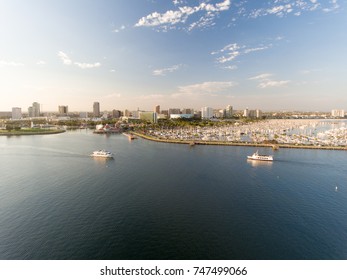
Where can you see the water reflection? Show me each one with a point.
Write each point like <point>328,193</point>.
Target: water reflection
<point>258,163</point>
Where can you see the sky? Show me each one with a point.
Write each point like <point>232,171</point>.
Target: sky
<point>268,55</point>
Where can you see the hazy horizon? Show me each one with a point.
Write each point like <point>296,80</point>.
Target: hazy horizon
<point>274,55</point>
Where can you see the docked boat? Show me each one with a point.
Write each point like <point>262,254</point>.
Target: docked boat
<point>130,136</point>
<point>102,154</point>
<point>256,156</point>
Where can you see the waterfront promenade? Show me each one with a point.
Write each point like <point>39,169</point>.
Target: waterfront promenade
<point>298,134</point>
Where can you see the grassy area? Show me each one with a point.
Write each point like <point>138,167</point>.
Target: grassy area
<point>30,131</point>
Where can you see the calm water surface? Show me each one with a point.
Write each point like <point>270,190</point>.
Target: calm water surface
<point>167,201</point>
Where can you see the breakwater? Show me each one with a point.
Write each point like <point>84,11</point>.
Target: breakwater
<point>30,132</point>
<point>225,143</point>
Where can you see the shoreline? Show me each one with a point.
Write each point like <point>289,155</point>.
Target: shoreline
<point>221,143</point>
<point>20,133</point>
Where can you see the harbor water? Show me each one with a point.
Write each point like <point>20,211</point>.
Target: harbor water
<point>168,201</point>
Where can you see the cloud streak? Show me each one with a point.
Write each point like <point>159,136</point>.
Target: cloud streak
<point>117,30</point>
<point>10,63</point>
<point>87,65</point>
<point>171,18</point>
<point>264,81</point>
<point>83,65</point>
<point>204,15</point>
<point>203,89</point>
<point>230,52</point>
<point>164,71</point>
<point>64,57</point>
<point>282,8</point>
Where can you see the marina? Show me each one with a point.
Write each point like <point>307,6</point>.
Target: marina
<point>310,134</point>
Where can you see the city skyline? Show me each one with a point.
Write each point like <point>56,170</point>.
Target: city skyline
<point>278,55</point>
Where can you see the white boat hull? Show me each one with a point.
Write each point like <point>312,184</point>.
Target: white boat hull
<point>259,158</point>
<point>256,156</point>
<point>102,154</point>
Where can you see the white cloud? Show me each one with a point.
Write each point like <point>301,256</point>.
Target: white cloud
<point>334,6</point>
<point>88,65</point>
<point>257,49</point>
<point>232,51</point>
<point>178,2</point>
<point>231,67</point>
<point>64,57</point>
<point>265,81</point>
<point>41,62</point>
<point>170,18</point>
<point>261,76</point>
<point>117,30</point>
<point>270,83</point>
<point>164,71</point>
<point>10,63</point>
<point>83,65</point>
<point>203,89</point>
<point>309,71</point>
<point>282,8</point>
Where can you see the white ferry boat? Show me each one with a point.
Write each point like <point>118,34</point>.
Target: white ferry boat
<point>102,153</point>
<point>256,156</point>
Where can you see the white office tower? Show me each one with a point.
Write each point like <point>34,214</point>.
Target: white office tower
<point>36,110</point>
<point>338,113</point>
<point>16,113</point>
<point>229,111</point>
<point>206,113</point>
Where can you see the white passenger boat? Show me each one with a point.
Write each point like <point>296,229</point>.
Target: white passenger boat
<point>256,156</point>
<point>102,154</point>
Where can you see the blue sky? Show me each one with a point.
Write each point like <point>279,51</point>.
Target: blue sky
<point>270,55</point>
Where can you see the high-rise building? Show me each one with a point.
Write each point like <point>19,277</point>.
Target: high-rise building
<point>229,111</point>
<point>221,113</point>
<point>206,113</point>
<point>96,109</point>
<point>187,111</point>
<point>36,109</point>
<point>259,114</point>
<point>30,112</point>
<point>16,113</point>
<point>174,111</point>
<point>338,113</point>
<point>255,114</point>
<point>63,110</point>
<point>116,114</point>
<point>157,109</point>
<point>246,113</point>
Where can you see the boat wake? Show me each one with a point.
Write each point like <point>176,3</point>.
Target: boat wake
<point>52,152</point>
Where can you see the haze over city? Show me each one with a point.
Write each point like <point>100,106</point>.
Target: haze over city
<point>272,55</point>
